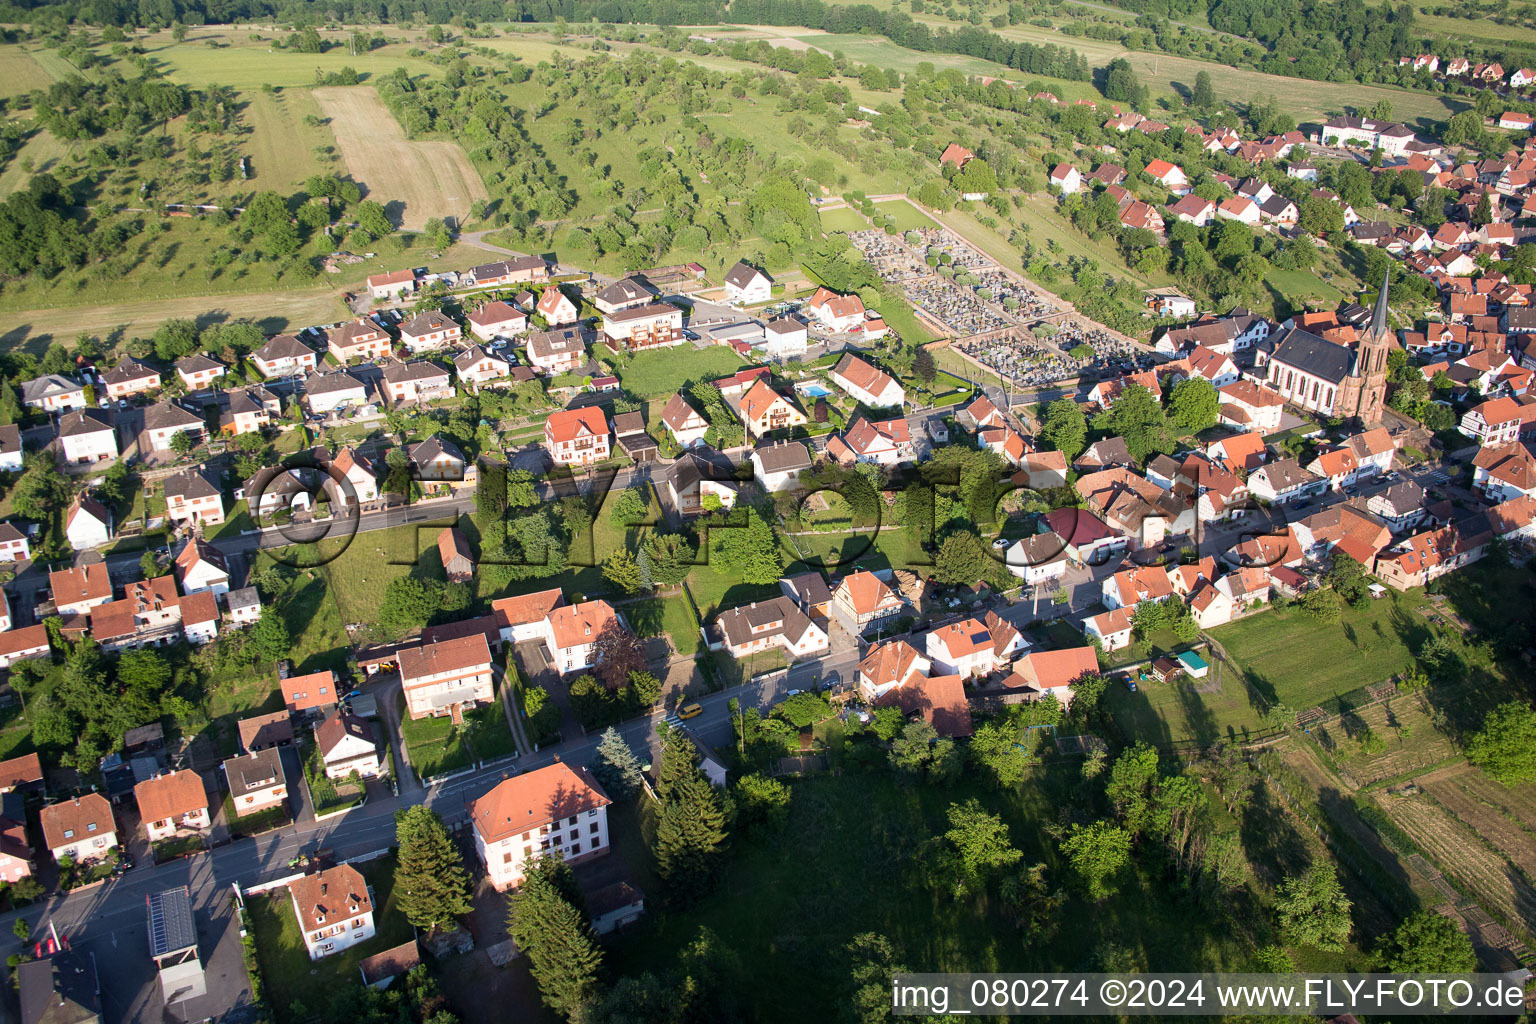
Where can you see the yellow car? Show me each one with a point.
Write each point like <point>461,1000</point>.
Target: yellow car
<point>690,711</point>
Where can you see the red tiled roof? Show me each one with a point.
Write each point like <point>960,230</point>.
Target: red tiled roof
<point>528,801</point>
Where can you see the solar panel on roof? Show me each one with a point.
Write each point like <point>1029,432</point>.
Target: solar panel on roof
<point>171,927</point>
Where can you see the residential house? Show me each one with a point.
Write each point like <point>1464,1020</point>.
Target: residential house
<point>554,810</point>
<point>517,270</point>
<point>1052,672</point>
<point>745,285</point>
<point>862,602</point>
<point>1213,366</point>
<point>839,314</point>
<point>261,731</point>
<point>1245,211</point>
<point>1066,178</point>
<point>129,378</point>
<point>519,619</point>
<point>453,549</point>
<point>243,606</point>
<point>1142,215</point>
<point>87,523</point>
<point>359,339</point>
<point>685,423</point>
<point>15,847</point>
<point>1240,452</point>
<point>10,448</point>
<point>447,677</point>
<point>334,910</point>
<point>77,591</point>
<point>1283,482</point>
<point>1129,587</point>
<point>171,803</point>
<point>699,481</point>
<point>1496,421</point>
<point>441,467</point>
<point>328,392</point>
<point>1338,467</point>
<point>1401,506</point>
<point>200,617</point>
<point>577,436</point>
<point>314,691</point>
<point>201,566</point>
<point>980,414</point>
<point>477,366</point>
<point>1210,605</point>
<point>1170,176</point>
<point>198,371</point>
<point>1104,453</point>
<point>497,320</point>
<point>1503,472</point>
<point>351,480</point>
<point>87,436</point>
<point>869,385</point>
<point>53,392</point>
<point>1193,209</point>
<point>14,546</point>
<point>761,625</point>
<point>419,381</point>
<point>642,328</point>
<point>558,351</point>
<point>81,829</point>
<point>1038,558</point>
<point>777,467</point>
<point>1246,587</point>
<point>556,309</point>
<point>1113,628</point>
<point>250,409</point>
<point>887,666</point>
<point>625,293</point>
<point>1088,539</point>
<point>21,644</point>
<point>785,338</point>
<point>884,444</point>
<point>391,285</point>
<point>165,419</point>
<point>571,631</point>
<point>430,331</point>
<point>284,355</point>
<point>1425,557</point>
<point>764,410</point>
<point>1248,406</point>
<point>810,593</point>
<point>973,647</point>
<point>956,155</point>
<point>347,745</point>
<point>938,700</point>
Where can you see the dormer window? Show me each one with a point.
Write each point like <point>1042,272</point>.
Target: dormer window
<point>91,827</point>
<point>69,833</point>
<point>319,917</point>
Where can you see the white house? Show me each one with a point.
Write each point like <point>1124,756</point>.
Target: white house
<point>1066,178</point>
<point>1113,628</point>
<point>837,313</point>
<point>577,436</point>
<point>556,810</point>
<point>497,320</point>
<point>82,829</point>
<point>87,523</point>
<point>53,393</point>
<point>1037,559</point>
<point>875,388</point>
<point>429,331</point>
<point>346,745</point>
<point>86,436</point>
<point>570,632</point>
<point>778,622</point>
<point>446,676</point>
<point>973,647</point>
<point>522,618</point>
<point>334,910</point>
<point>198,371</point>
<point>785,338</point>
<point>358,473</point>
<point>284,355</point>
<point>165,419</point>
<point>685,423</point>
<point>778,466</point>
<point>201,566</point>
<point>328,392</point>
<point>745,285</point>
<point>556,309</point>
<point>171,803</point>
<point>477,366</point>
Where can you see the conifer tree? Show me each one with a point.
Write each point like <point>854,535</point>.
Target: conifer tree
<point>616,766</point>
<point>431,885</point>
<point>552,931</point>
<point>691,830</point>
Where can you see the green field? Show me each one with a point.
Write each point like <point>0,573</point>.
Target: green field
<point>1178,713</point>
<point>661,374</point>
<point>904,216</point>
<point>1290,657</point>
<point>20,73</point>
<point>843,219</point>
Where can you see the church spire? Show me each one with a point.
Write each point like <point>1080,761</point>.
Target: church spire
<point>1379,314</point>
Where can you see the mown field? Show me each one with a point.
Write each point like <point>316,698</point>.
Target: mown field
<point>1408,734</point>
<point>1504,815</point>
<point>20,72</point>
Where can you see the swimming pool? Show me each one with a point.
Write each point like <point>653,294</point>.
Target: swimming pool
<point>815,391</point>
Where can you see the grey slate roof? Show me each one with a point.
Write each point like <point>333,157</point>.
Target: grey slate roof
<point>1305,351</point>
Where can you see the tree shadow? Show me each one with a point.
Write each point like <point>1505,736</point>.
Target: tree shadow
<point>1202,722</point>
<point>1272,844</point>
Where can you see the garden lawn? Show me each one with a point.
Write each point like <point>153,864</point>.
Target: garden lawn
<point>904,216</point>
<point>1290,657</point>
<point>287,971</point>
<point>659,374</point>
<point>890,547</point>
<point>434,745</point>
<point>1174,713</point>
<point>489,735</point>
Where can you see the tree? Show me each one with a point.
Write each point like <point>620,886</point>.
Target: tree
<point>149,564</point>
<point>803,710</point>
<point>1097,853</point>
<point>1204,95</point>
<point>1348,577</point>
<point>175,339</point>
<point>1194,404</point>
<point>1505,747</point>
<point>1132,789</point>
<point>762,804</point>
<point>372,219</point>
<point>1137,417</point>
<point>563,955</point>
<point>269,637</point>
<point>628,508</point>
<point>690,832</point>
<point>960,559</point>
<point>749,552</point>
<point>1065,428</point>
<point>669,558</point>
<point>1314,910</point>
<point>181,442</point>
<point>1482,214</point>
<point>408,604</point>
<point>1121,83</point>
<point>40,489</point>
<point>920,752</point>
<point>432,887</point>
<point>1322,605</point>
<point>924,368</point>
<point>617,652</point>
<point>980,840</point>
<point>616,766</point>
<point>996,751</point>
<point>620,569</point>
<point>1427,943</point>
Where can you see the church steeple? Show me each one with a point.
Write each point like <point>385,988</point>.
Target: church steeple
<point>1378,329</point>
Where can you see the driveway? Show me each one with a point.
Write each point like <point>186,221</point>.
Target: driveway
<point>386,695</point>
